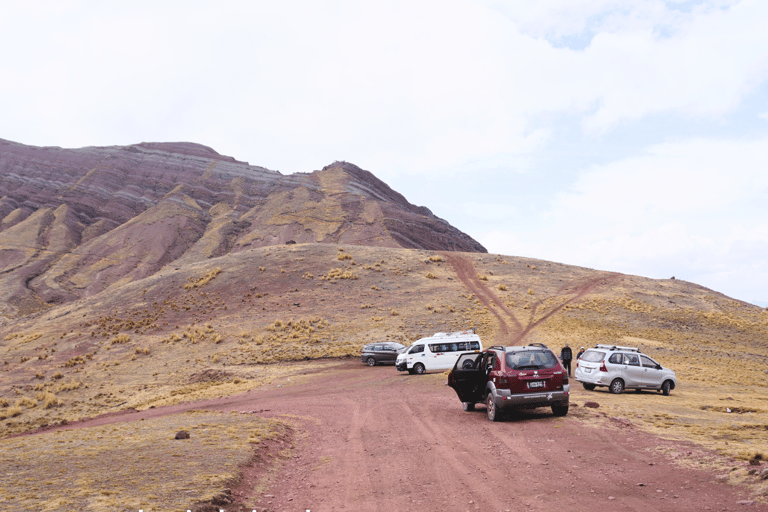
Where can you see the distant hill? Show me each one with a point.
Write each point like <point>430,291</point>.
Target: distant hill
<point>76,221</point>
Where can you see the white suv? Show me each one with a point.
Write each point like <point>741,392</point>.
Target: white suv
<point>622,368</point>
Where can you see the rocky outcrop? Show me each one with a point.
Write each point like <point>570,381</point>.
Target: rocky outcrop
<point>74,222</point>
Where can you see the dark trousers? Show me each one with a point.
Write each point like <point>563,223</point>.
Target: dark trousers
<point>567,365</point>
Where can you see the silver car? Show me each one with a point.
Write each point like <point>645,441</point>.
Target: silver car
<point>622,368</point>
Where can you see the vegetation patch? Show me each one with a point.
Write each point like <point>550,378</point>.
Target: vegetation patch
<point>202,280</point>
<point>131,466</point>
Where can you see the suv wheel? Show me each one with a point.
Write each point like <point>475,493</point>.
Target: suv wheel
<point>559,410</point>
<point>468,406</point>
<point>371,361</point>
<point>588,387</point>
<point>617,386</point>
<point>493,412</point>
<point>418,368</point>
<point>666,387</point>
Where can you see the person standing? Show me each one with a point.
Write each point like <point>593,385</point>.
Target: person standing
<point>565,356</point>
<point>578,354</point>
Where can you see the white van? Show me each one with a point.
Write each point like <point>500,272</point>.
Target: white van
<point>437,352</point>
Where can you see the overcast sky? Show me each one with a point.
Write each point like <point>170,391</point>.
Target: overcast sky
<point>627,136</point>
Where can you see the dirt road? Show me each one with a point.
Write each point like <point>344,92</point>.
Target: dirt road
<point>373,439</point>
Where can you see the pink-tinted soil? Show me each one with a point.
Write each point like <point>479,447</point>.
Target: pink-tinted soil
<point>373,439</point>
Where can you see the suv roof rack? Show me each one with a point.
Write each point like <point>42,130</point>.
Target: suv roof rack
<point>616,347</point>
<point>537,345</point>
<point>498,347</point>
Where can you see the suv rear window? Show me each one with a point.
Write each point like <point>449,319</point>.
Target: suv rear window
<point>531,360</point>
<point>592,356</point>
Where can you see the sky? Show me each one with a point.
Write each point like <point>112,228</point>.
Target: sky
<point>627,136</point>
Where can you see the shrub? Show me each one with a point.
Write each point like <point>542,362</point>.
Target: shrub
<point>339,273</point>
<point>430,275</point>
<point>502,287</point>
<point>50,401</point>
<point>482,277</point>
<point>435,258</point>
<point>531,292</point>
<point>11,412</point>
<point>202,280</point>
<point>120,338</point>
<point>27,402</point>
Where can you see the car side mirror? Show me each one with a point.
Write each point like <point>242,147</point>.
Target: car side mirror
<point>658,367</point>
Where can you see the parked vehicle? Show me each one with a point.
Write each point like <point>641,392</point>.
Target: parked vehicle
<point>437,352</point>
<point>507,378</point>
<point>621,368</point>
<point>381,353</point>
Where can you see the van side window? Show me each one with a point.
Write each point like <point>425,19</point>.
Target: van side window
<point>615,359</point>
<point>474,345</point>
<point>417,349</point>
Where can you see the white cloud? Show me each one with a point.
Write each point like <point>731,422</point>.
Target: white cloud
<point>694,209</point>
<point>531,97</point>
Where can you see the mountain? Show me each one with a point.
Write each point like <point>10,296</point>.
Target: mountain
<point>77,221</point>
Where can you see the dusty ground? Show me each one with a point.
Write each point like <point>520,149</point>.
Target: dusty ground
<point>184,338</point>
<point>373,439</point>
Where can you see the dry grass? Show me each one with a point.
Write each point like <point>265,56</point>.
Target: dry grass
<point>140,465</point>
<point>202,280</point>
<point>255,325</point>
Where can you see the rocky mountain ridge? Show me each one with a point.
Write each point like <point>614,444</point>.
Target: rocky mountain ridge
<point>77,221</point>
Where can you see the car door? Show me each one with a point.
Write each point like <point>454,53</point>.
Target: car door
<point>653,374</point>
<point>415,355</point>
<point>387,354</point>
<point>468,377</point>
<point>633,372</point>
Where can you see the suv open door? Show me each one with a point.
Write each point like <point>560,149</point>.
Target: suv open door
<point>468,378</point>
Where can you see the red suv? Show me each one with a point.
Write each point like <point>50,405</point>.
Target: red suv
<point>507,378</point>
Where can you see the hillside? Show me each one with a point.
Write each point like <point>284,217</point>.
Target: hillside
<point>76,221</point>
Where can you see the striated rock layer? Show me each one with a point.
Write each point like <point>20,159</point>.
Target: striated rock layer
<point>77,221</point>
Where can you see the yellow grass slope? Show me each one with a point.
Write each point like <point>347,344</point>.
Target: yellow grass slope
<point>236,322</point>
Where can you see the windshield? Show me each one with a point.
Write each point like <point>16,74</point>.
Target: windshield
<point>531,360</point>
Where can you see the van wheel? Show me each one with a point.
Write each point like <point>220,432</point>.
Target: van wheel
<point>588,387</point>
<point>371,361</point>
<point>418,368</point>
<point>468,406</point>
<point>617,386</point>
<point>666,387</point>
<point>493,412</point>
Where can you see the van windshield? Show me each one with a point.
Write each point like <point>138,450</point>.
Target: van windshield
<point>531,360</point>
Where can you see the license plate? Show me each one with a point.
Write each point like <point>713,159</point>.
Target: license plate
<point>587,370</point>
<point>536,384</point>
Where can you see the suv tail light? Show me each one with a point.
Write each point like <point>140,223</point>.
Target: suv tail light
<point>503,381</point>
<point>602,367</point>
